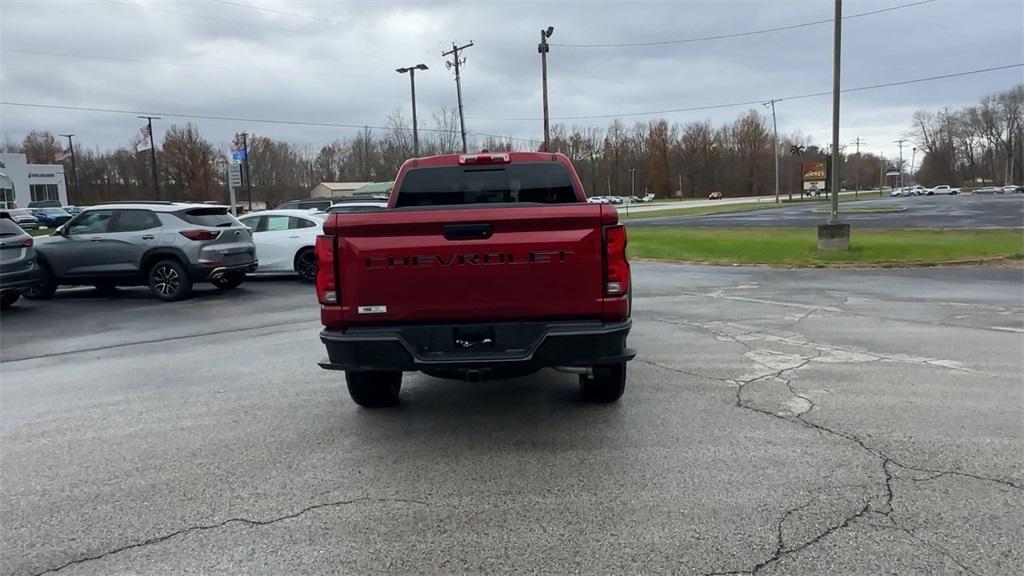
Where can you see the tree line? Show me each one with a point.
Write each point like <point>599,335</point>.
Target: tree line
<point>980,143</point>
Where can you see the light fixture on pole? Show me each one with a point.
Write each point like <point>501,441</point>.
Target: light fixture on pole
<point>543,48</point>
<point>412,83</point>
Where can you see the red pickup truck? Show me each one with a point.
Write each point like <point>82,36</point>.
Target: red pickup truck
<point>482,266</point>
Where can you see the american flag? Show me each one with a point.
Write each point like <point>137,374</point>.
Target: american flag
<point>142,140</point>
<point>63,155</point>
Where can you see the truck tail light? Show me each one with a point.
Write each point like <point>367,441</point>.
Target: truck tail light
<point>200,234</point>
<point>326,280</point>
<point>616,266</point>
<point>474,159</point>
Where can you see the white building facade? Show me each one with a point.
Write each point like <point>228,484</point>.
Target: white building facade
<point>32,182</point>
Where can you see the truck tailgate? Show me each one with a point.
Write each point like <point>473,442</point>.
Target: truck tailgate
<point>470,264</point>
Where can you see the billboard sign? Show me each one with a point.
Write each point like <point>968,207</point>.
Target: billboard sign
<point>814,172</point>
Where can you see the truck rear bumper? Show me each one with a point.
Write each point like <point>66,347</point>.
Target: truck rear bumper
<point>512,346</point>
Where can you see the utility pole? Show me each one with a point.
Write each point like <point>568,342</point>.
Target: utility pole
<point>900,144</point>
<point>412,82</point>
<point>74,167</point>
<point>245,167</point>
<point>775,144</point>
<point>543,48</point>
<point>632,177</point>
<point>881,175</point>
<point>856,172</point>
<point>456,62</point>
<point>152,153</point>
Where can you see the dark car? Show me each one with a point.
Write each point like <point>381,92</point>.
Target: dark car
<point>320,204</point>
<point>18,267</point>
<point>51,217</point>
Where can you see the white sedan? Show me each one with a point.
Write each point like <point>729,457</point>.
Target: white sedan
<point>285,241</point>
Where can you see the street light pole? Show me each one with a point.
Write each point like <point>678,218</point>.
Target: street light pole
<point>74,167</point>
<point>412,83</point>
<point>913,159</point>
<point>543,48</point>
<point>837,51</point>
<point>775,143</point>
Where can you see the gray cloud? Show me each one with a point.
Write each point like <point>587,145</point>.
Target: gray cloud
<point>334,62</point>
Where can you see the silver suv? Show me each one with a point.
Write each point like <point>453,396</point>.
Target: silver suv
<point>165,245</point>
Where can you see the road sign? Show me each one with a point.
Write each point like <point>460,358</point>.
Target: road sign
<point>235,174</point>
<point>238,155</point>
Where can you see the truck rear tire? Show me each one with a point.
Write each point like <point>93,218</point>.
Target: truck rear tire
<point>374,388</point>
<point>606,385</point>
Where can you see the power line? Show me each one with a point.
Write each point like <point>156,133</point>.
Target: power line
<point>183,64</point>
<point>247,120</point>
<point>261,8</point>
<point>743,34</point>
<point>761,100</point>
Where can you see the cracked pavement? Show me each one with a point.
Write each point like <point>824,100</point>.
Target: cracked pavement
<point>776,422</point>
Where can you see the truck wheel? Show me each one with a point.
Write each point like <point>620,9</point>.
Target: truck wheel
<point>169,281</point>
<point>606,385</point>
<point>45,288</point>
<point>374,389</point>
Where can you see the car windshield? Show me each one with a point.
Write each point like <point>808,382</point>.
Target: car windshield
<point>54,211</point>
<point>21,212</point>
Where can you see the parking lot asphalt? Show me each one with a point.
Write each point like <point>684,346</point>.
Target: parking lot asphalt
<point>960,211</point>
<point>776,421</point>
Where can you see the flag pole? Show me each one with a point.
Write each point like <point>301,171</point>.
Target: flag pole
<point>152,153</point>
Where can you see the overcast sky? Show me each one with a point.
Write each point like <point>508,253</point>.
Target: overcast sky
<point>333,62</point>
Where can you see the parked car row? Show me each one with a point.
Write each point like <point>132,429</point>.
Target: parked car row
<point>620,199</point>
<point>167,246</point>
<point>998,190</point>
<point>942,189</point>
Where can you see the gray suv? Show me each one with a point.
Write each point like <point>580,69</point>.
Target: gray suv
<point>165,245</point>
<point>18,268</point>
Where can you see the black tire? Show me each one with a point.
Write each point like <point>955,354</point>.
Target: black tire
<point>607,384</point>
<point>229,280</point>
<point>374,389</point>
<point>45,288</point>
<point>169,281</point>
<point>306,265</point>
<point>8,298</point>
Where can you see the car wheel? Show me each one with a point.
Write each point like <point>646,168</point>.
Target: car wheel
<point>606,385</point>
<point>8,298</point>
<point>306,264</point>
<point>45,288</point>
<point>229,280</point>
<point>169,281</point>
<point>374,388</point>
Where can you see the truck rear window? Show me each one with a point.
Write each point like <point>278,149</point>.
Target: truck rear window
<point>217,217</point>
<point>547,183</point>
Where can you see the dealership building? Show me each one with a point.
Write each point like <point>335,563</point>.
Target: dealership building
<point>26,182</point>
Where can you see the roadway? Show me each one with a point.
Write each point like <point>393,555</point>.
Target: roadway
<point>961,211</point>
<point>777,421</point>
